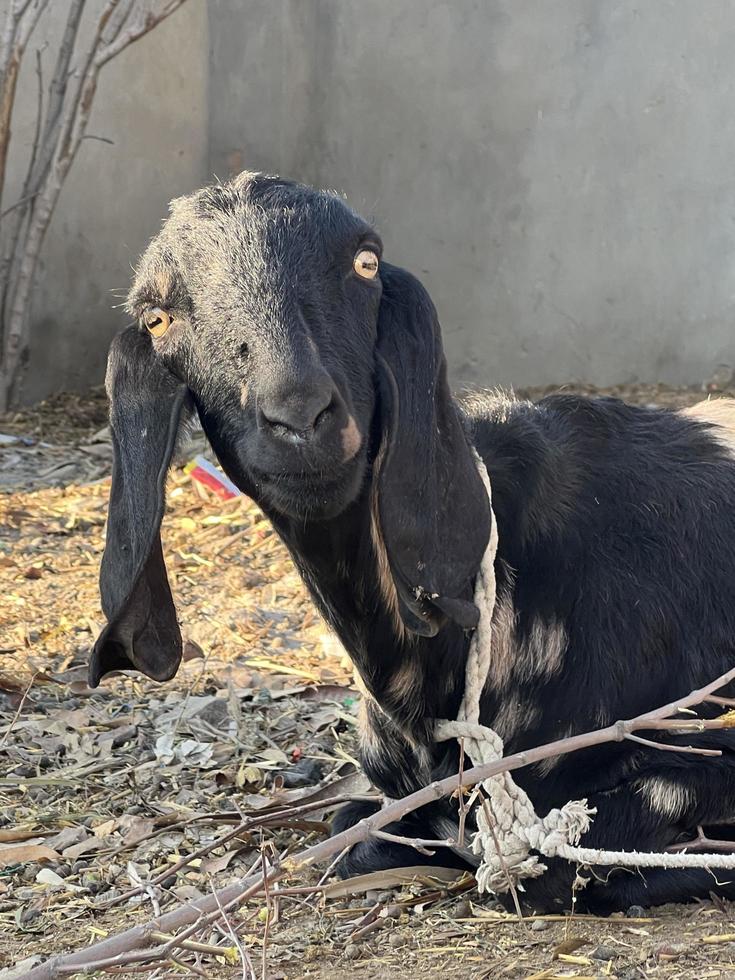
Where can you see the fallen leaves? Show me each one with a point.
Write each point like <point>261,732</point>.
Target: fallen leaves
<point>33,850</point>
<point>126,783</point>
<point>425,874</point>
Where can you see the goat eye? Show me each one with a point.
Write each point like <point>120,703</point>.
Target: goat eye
<point>157,321</point>
<point>365,263</point>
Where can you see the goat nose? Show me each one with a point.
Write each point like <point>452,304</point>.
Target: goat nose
<point>294,415</point>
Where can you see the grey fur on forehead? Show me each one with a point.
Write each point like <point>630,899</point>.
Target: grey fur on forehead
<point>251,189</point>
<point>212,227</point>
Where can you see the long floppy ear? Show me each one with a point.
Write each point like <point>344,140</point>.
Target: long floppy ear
<point>146,403</point>
<point>433,508</point>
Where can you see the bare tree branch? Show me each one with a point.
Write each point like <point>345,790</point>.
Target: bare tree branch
<point>18,204</point>
<point>69,106</point>
<point>57,92</point>
<point>117,21</point>
<point>15,38</point>
<point>144,23</point>
<point>39,119</point>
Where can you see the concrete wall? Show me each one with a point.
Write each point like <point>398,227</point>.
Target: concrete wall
<point>152,102</point>
<point>561,175</point>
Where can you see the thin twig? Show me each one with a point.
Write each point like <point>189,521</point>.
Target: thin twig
<point>463,808</point>
<point>190,945</point>
<point>19,203</point>
<point>39,122</point>
<point>422,846</point>
<point>332,865</point>
<point>503,864</point>
<point>723,702</point>
<point>16,716</point>
<point>664,747</point>
<point>703,843</point>
<point>247,963</point>
<point>264,962</point>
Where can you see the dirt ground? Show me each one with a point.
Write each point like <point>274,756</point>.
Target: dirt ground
<point>102,791</point>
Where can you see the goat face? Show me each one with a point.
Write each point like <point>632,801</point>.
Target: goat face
<point>266,295</point>
<point>321,385</point>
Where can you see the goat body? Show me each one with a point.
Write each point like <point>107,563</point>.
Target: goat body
<point>615,523</point>
<point>614,596</point>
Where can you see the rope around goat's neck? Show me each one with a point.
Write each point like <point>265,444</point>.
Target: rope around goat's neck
<point>508,826</point>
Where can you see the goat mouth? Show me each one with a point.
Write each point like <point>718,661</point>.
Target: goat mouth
<point>310,493</point>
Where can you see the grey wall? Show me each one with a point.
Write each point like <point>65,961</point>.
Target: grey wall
<point>561,175</point>
<point>152,102</point>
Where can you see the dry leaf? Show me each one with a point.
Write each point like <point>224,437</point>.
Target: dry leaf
<point>104,829</point>
<point>76,850</point>
<point>568,946</point>
<point>187,893</point>
<point>12,685</point>
<point>192,651</point>
<point>13,834</point>
<point>213,865</point>
<point>136,828</point>
<point>67,838</point>
<point>389,878</point>
<point>33,850</point>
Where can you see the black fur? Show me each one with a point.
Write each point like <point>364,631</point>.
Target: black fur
<point>616,524</point>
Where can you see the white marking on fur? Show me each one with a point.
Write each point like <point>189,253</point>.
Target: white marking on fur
<point>539,654</point>
<point>503,642</point>
<point>369,741</point>
<point>666,797</point>
<point>720,413</point>
<point>409,762</point>
<point>406,683</point>
<point>542,651</point>
<point>515,715</point>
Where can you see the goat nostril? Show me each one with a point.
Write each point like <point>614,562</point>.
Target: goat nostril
<point>324,414</point>
<point>244,350</point>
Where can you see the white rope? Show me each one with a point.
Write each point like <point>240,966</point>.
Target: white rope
<point>516,829</point>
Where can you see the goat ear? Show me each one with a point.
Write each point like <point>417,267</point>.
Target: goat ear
<point>146,403</point>
<point>433,509</point>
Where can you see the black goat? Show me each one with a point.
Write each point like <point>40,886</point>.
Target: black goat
<point>318,374</point>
